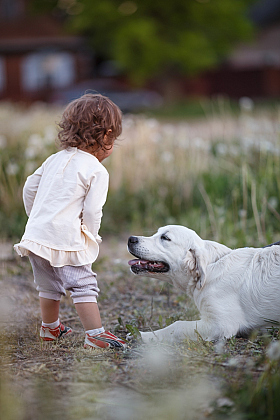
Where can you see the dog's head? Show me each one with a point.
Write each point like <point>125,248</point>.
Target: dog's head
<point>175,253</point>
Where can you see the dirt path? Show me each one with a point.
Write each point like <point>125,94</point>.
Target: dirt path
<point>157,382</point>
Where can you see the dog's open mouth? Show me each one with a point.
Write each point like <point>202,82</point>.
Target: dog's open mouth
<point>139,265</point>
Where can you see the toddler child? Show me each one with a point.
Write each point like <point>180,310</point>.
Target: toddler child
<point>63,199</point>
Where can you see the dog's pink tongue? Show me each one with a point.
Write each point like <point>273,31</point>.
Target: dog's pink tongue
<point>136,261</point>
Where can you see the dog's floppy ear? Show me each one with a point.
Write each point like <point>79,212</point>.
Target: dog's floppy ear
<point>197,266</point>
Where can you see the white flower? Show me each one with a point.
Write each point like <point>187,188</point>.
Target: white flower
<point>246,104</point>
<point>273,350</point>
<point>224,402</point>
<point>30,152</point>
<point>30,167</point>
<point>152,123</point>
<point>128,123</point>
<point>234,150</point>
<point>199,143</point>
<point>273,202</point>
<point>267,146</point>
<point>156,138</point>
<point>167,157</point>
<point>235,362</point>
<point>49,134</point>
<point>35,140</point>
<point>221,149</point>
<point>3,141</point>
<point>170,130</point>
<point>12,168</point>
<point>242,213</point>
<point>220,346</point>
<point>156,361</point>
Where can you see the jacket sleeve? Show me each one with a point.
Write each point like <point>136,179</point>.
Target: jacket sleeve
<point>94,202</point>
<point>30,189</point>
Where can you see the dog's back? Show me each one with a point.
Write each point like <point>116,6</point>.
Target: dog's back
<point>247,287</point>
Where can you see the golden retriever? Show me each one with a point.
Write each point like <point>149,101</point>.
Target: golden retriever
<point>235,290</point>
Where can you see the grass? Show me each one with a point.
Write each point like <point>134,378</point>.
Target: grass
<point>201,107</point>
<point>194,108</point>
<point>218,175</point>
<point>237,378</point>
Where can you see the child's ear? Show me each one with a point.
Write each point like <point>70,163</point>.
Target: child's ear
<point>108,132</point>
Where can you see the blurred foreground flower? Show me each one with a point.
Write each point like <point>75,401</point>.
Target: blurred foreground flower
<point>3,141</point>
<point>273,350</point>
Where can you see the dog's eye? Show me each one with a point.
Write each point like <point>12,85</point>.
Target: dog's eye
<point>165,238</point>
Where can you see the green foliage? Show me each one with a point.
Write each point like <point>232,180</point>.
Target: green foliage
<point>158,38</point>
<point>227,189</point>
<point>230,216</point>
<point>147,207</point>
<point>135,52</point>
<point>133,331</point>
<point>26,141</point>
<point>258,398</point>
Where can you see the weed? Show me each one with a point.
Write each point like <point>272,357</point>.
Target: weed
<point>133,330</point>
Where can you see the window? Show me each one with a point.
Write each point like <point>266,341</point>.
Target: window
<point>43,70</point>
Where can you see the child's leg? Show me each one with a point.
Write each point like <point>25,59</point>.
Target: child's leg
<point>49,310</point>
<point>51,328</point>
<point>89,315</point>
<point>50,289</point>
<point>49,285</point>
<point>81,282</point>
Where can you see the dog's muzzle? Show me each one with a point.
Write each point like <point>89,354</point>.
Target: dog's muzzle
<point>141,265</point>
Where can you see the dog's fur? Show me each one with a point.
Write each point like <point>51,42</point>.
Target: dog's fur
<point>235,291</point>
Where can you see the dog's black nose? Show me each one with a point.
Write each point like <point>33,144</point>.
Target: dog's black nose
<point>132,240</point>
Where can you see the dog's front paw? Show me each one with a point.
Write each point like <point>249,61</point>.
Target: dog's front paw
<point>148,336</point>
<point>129,337</point>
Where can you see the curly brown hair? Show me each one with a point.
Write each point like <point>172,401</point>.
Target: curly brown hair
<point>87,120</point>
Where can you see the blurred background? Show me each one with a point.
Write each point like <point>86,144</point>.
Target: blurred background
<point>52,50</point>
<point>199,84</point>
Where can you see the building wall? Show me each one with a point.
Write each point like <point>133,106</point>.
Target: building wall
<point>36,56</point>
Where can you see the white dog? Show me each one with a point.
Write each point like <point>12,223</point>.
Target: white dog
<point>235,291</point>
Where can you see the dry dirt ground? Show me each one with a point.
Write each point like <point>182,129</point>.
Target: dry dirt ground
<point>50,381</point>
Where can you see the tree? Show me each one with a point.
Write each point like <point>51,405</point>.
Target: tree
<point>156,37</point>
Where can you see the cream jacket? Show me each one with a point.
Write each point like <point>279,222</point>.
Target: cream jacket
<point>63,200</point>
